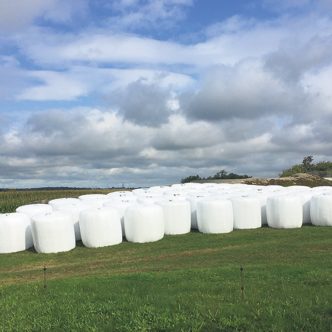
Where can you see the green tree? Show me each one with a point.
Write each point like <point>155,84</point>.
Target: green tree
<point>191,178</point>
<point>307,163</point>
<point>323,168</point>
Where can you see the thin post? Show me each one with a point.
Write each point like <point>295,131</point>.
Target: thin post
<point>44,269</point>
<point>242,282</point>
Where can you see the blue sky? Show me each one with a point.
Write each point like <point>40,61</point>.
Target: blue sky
<point>143,92</point>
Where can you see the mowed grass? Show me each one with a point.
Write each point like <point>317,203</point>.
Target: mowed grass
<point>182,283</point>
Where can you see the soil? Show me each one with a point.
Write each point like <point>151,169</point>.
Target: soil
<point>300,179</point>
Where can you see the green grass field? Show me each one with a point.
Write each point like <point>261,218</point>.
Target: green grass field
<point>182,283</point>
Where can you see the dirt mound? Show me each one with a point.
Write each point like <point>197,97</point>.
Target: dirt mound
<point>299,179</point>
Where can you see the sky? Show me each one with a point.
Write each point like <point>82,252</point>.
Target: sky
<point>97,93</point>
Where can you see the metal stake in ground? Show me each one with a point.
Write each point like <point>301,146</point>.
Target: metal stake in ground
<point>44,269</point>
<point>242,282</point>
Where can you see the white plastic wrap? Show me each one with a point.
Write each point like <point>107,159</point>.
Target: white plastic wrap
<point>284,211</point>
<point>262,199</point>
<point>53,232</point>
<point>94,200</point>
<point>114,199</point>
<point>144,223</point>
<point>93,197</point>
<point>321,210</point>
<point>246,212</point>
<point>149,199</point>
<point>15,232</point>
<point>93,204</point>
<point>119,193</point>
<point>121,206</point>
<point>32,209</point>
<point>140,191</point>
<point>215,216</point>
<point>74,210</point>
<point>306,199</point>
<point>55,203</point>
<point>322,190</point>
<point>193,206</point>
<point>177,216</point>
<point>100,227</point>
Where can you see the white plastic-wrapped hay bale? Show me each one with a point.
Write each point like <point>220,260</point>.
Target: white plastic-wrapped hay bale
<point>177,216</point>
<point>297,188</point>
<point>246,212</point>
<point>32,209</point>
<point>174,193</point>
<point>321,210</point>
<point>100,227</point>
<point>121,206</point>
<point>173,198</point>
<point>284,211</point>
<point>93,200</point>
<point>306,199</point>
<point>193,199</point>
<point>321,190</point>
<point>59,202</point>
<point>93,197</point>
<point>262,199</point>
<point>144,223</point>
<point>74,210</point>
<point>215,215</point>
<point>120,194</point>
<point>149,199</point>
<point>15,232</point>
<point>53,232</point>
<point>114,199</point>
<point>140,191</point>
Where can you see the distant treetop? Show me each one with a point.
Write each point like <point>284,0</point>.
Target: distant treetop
<point>218,176</point>
<point>323,168</point>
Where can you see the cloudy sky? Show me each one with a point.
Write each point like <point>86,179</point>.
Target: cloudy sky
<point>145,92</point>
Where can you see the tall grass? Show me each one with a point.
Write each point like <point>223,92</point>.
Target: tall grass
<point>10,200</point>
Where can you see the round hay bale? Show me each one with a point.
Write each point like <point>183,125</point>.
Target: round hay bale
<point>15,232</point>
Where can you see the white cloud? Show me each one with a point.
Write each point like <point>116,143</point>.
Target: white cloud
<point>17,14</point>
<point>89,146</point>
<point>138,14</point>
<point>246,90</point>
<point>56,86</point>
<point>252,97</point>
<point>247,39</point>
<point>81,81</point>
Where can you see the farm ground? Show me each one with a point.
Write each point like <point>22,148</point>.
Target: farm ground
<point>182,283</point>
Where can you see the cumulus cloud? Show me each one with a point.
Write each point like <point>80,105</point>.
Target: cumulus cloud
<point>16,15</point>
<point>80,81</point>
<point>252,96</point>
<point>246,90</point>
<point>84,146</point>
<point>138,14</point>
<point>294,58</point>
<point>144,103</point>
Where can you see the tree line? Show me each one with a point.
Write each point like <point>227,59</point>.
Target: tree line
<point>218,176</point>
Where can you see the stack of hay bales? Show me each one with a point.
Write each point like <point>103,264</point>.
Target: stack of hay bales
<point>147,214</point>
